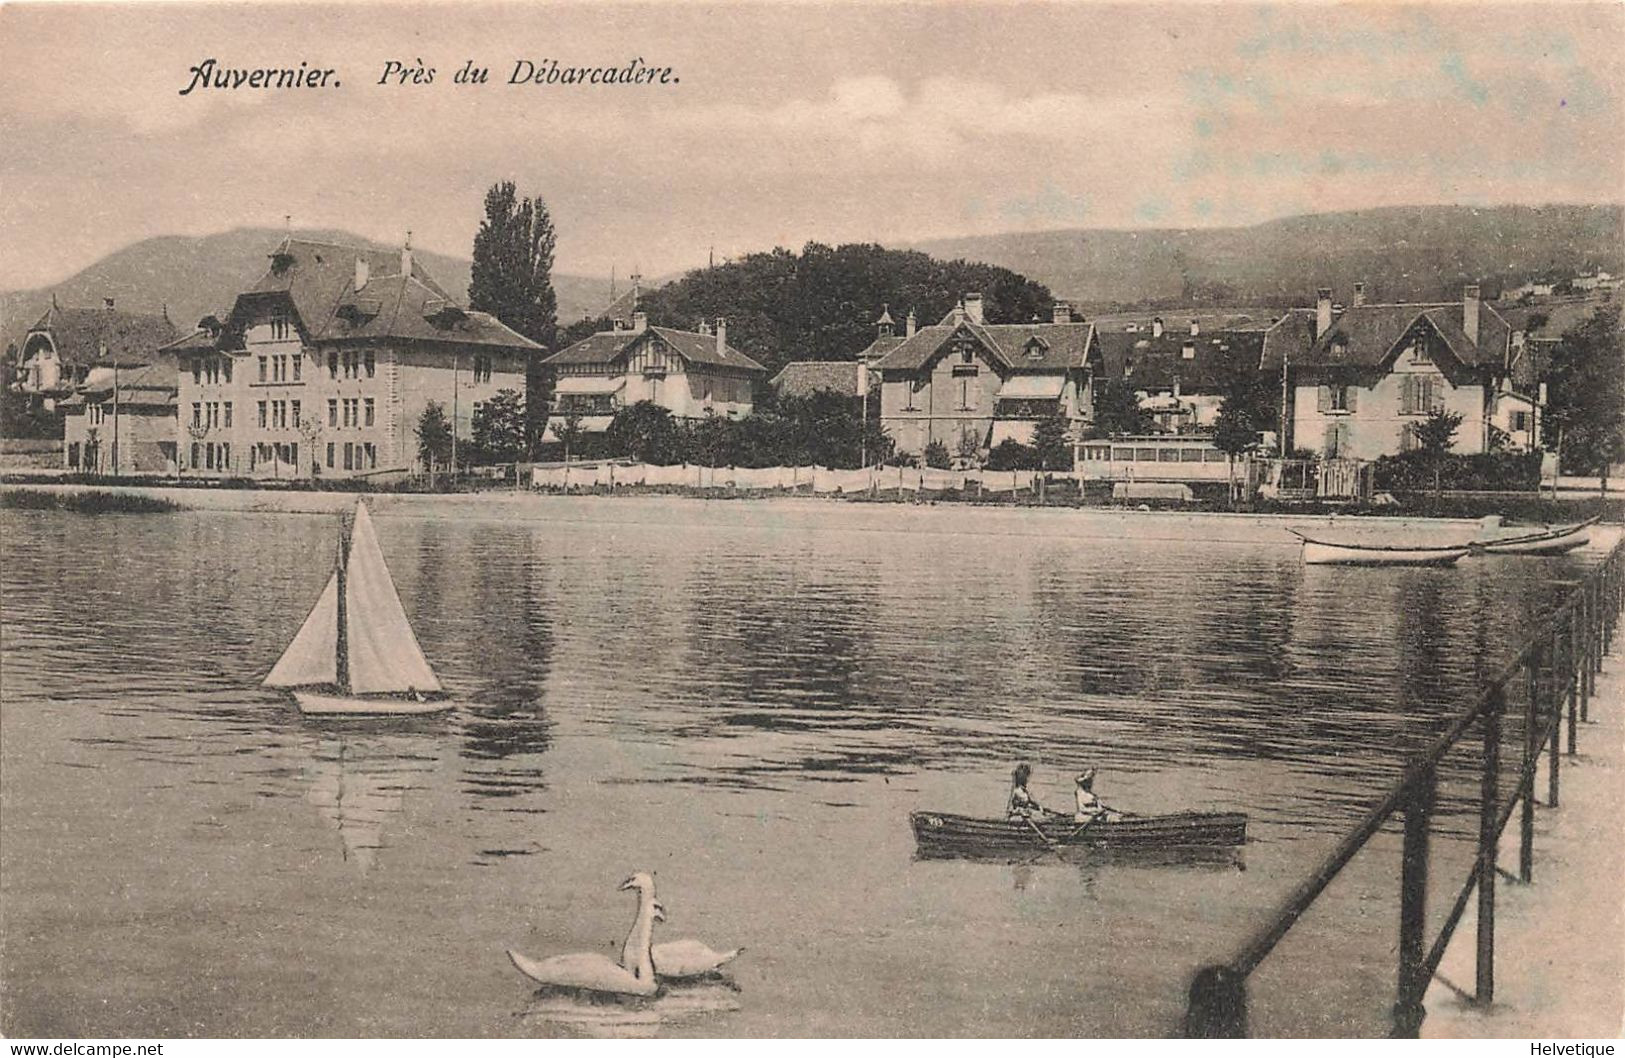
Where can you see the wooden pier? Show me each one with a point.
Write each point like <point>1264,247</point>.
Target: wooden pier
<point>1540,700</point>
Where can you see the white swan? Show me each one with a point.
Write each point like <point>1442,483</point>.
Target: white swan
<point>591,972</point>
<point>687,958</point>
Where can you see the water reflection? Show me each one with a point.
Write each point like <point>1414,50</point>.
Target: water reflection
<point>358,781</point>
<point>617,1017</point>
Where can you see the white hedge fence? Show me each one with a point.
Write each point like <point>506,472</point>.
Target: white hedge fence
<point>806,479</point>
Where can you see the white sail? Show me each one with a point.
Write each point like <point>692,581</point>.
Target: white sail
<point>383,653</point>
<point>312,657</point>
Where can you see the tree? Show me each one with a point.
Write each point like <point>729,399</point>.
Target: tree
<point>1053,446</point>
<point>937,457</point>
<point>499,427</point>
<point>434,437</point>
<point>1585,416</point>
<point>1011,454</point>
<point>1436,436</point>
<point>1118,411</point>
<point>570,433</point>
<point>646,432</point>
<point>512,279</point>
<point>1245,411</point>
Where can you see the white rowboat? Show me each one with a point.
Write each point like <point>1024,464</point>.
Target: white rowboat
<point>1327,553</point>
<point>355,655</point>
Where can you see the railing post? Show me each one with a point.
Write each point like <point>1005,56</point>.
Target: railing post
<point>1217,1009</point>
<point>1526,773</point>
<point>1583,669</point>
<point>1554,698</point>
<point>1489,815</point>
<point>1570,682</point>
<point>1413,890</point>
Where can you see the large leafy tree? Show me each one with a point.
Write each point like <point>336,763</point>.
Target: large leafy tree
<point>821,303</point>
<point>499,427</point>
<point>1118,411</point>
<point>1054,448</point>
<point>512,279</point>
<point>646,432</point>
<point>1585,417</point>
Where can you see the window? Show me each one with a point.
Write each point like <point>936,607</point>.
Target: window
<point>1336,398</point>
<point>1420,350</point>
<point>264,363</point>
<point>332,365</point>
<point>197,455</point>
<point>1187,351</point>
<point>350,363</point>
<point>967,355</point>
<point>1337,440</point>
<point>197,371</point>
<point>1420,394</point>
<point>197,413</point>
<point>1213,455</point>
<point>262,415</point>
<point>369,408</point>
<point>1409,439</point>
<point>225,455</point>
<point>1190,455</point>
<point>298,363</point>
<point>225,369</point>
<point>1168,455</point>
<point>293,453</point>
<point>332,411</point>
<point>279,327</point>
<point>214,414</point>
<point>1145,455</point>
<point>349,459</point>
<point>1520,421</point>
<point>912,399</point>
<point>482,369</point>
<point>372,455</point>
<point>967,394</point>
<point>208,456</point>
<point>293,414</point>
<point>371,363</point>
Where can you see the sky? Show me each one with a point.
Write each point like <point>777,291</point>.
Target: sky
<point>786,123</point>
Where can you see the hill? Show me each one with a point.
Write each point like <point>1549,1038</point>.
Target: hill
<point>1402,253</point>
<point>195,276</point>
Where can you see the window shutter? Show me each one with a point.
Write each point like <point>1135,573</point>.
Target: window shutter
<point>1350,401</point>
<point>1435,395</point>
<point>1324,399</point>
<point>1407,395</point>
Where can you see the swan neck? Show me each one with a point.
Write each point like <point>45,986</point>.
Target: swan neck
<point>637,955</point>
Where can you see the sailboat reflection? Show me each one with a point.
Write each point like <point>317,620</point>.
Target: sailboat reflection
<point>358,781</point>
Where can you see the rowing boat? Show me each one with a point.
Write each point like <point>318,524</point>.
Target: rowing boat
<point>945,834</point>
<point>1327,552</point>
<point>1546,540</point>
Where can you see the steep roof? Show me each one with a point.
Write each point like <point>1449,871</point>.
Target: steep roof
<point>622,307</point>
<point>803,378</point>
<point>1150,364</point>
<point>878,348</point>
<point>199,341</point>
<point>605,346</point>
<point>1557,317</point>
<point>1287,339</point>
<point>319,280</point>
<point>81,335</point>
<point>1018,346</point>
<point>1365,336</point>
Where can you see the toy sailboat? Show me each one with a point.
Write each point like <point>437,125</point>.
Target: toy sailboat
<point>355,655</point>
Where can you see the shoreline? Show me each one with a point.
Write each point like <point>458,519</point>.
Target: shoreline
<point>796,511</point>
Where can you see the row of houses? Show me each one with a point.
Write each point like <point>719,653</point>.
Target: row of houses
<point>324,366</point>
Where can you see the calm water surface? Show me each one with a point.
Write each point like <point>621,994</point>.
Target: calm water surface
<point>747,699</point>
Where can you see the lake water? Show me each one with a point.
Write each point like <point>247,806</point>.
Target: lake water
<point>747,699</point>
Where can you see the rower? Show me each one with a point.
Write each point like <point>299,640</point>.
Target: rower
<point>1089,806</point>
<point>1021,804</point>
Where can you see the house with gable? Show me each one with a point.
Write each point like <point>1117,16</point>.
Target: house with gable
<point>1180,377</point>
<point>970,384</point>
<point>693,374</point>
<point>1361,381</point>
<point>325,366</point>
<point>60,351</point>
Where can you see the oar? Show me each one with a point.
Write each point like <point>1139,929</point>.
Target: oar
<point>1045,838</point>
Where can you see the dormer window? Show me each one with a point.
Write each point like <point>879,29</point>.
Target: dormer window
<point>1187,352</point>
<point>1036,348</point>
<point>967,355</point>
<point>1420,350</point>
<point>1340,348</point>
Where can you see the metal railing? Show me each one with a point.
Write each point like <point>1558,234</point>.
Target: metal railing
<point>1559,665</point>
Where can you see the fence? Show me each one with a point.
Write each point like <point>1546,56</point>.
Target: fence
<point>1557,668</point>
<point>814,479</point>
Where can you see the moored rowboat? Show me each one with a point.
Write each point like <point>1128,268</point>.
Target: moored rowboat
<point>942,833</point>
<point>1326,552</point>
<point>1543,541</point>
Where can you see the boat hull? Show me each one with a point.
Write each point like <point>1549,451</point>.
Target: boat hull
<point>312,703</point>
<point>944,834</point>
<point>1554,542</point>
<point>1320,553</point>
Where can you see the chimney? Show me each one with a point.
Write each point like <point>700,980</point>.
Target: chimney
<point>1156,327</point>
<point>640,322</point>
<point>958,315</point>
<point>1131,328</point>
<point>1196,328</point>
<point>705,328</point>
<point>1469,311</point>
<point>406,255</point>
<point>107,303</point>
<point>1061,313</point>
<point>1323,311</point>
<point>362,270</point>
<point>910,325</point>
<point>722,336</point>
<point>973,307</point>
<point>1359,294</point>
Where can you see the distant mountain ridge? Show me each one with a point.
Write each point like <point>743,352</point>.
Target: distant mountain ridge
<point>1403,253</point>
<point>194,276</point>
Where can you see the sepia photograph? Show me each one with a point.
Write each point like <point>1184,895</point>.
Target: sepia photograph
<point>716,519</point>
